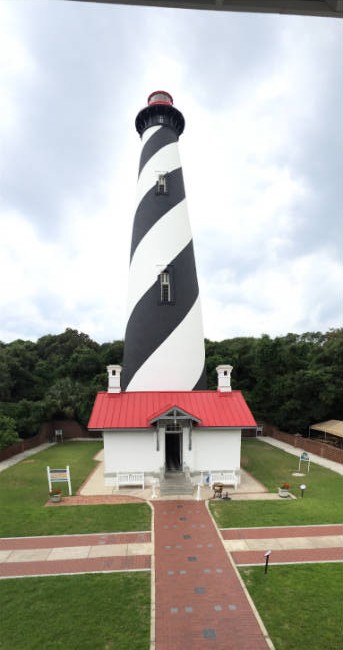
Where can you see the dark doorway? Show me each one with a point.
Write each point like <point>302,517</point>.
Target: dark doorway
<point>174,452</point>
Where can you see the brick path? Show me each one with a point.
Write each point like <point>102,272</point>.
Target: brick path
<point>289,544</point>
<point>289,556</point>
<point>200,602</point>
<point>65,554</point>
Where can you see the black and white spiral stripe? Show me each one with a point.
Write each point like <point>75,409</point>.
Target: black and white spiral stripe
<point>164,343</point>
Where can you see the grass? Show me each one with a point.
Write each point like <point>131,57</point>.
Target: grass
<point>24,492</point>
<point>301,606</point>
<point>107,611</point>
<point>322,502</point>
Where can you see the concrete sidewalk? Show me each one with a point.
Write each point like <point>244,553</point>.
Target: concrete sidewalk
<point>296,451</point>
<point>4,464</point>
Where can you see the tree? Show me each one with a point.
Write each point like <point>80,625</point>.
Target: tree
<point>8,433</point>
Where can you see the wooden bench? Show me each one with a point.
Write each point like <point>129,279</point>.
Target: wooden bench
<point>226,478</point>
<point>130,478</point>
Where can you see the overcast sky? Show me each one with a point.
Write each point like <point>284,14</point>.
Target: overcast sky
<point>261,156</point>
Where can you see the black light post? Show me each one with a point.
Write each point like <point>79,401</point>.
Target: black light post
<point>266,555</point>
<point>302,488</point>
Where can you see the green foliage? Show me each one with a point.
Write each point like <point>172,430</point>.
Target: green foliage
<point>290,381</point>
<point>83,612</point>
<point>291,599</point>
<point>8,433</point>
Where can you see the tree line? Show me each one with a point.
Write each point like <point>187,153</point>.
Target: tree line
<point>291,381</point>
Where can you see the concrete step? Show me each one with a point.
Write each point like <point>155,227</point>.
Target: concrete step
<point>175,483</point>
<point>176,490</point>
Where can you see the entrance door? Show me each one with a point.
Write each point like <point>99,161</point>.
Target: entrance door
<point>174,451</point>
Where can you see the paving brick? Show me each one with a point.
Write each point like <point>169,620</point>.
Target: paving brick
<point>203,586</point>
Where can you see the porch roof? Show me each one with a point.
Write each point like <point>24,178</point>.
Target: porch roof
<point>135,410</point>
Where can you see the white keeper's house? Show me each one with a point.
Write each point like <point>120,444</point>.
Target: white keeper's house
<point>153,435</point>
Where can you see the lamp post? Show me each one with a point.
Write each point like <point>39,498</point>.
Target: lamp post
<point>302,488</point>
<point>266,555</point>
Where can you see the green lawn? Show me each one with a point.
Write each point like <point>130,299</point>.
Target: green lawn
<point>322,503</point>
<point>24,492</point>
<point>102,611</point>
<point>300,605</point>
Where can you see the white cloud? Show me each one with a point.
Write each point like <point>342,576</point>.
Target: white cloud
<point>259,156</point>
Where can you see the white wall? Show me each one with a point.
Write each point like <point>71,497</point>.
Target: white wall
<point>132,451</point>
<point>216,450</point>
<point>136,450</point>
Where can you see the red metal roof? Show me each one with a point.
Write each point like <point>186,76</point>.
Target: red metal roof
<point>133,410</point>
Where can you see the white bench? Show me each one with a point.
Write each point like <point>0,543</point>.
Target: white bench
<point>130,478</point>
<point>227,478</point>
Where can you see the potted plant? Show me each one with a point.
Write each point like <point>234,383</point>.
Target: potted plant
<point>55,495</point>
<point>284,490</point>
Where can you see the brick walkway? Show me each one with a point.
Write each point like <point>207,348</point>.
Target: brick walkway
<point>200,602</point>
<point>289,544</point>
<point>289,556</point>
<point>66,554</point>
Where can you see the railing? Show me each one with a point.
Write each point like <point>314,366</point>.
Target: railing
<point>187,472</point>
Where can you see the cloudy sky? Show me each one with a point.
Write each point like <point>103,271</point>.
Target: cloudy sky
<point>261,155</point>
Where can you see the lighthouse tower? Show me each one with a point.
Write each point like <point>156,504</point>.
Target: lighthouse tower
<point>164,341</point>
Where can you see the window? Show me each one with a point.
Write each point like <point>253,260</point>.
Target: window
<point>165,286</point>
<point>161,184</point>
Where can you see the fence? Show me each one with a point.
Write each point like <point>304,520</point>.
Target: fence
<point>23,445</point>
<point>70,428</point>
<point>317,447</point>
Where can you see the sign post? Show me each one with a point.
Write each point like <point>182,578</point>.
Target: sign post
<point>304,457</point>
<point>59,476</point>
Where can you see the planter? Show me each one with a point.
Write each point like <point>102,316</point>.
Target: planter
<point>56,498</point>
<point>283,493</point>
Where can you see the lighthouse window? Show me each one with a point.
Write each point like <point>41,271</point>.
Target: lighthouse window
<point>161,184</point>
<point>165,286</point>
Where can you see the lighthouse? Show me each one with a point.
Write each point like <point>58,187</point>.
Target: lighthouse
<point>164,341</point>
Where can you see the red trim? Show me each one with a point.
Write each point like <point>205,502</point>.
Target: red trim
<point>162,92</point>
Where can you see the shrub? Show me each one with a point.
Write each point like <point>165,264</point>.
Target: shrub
<point>8,433</point>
